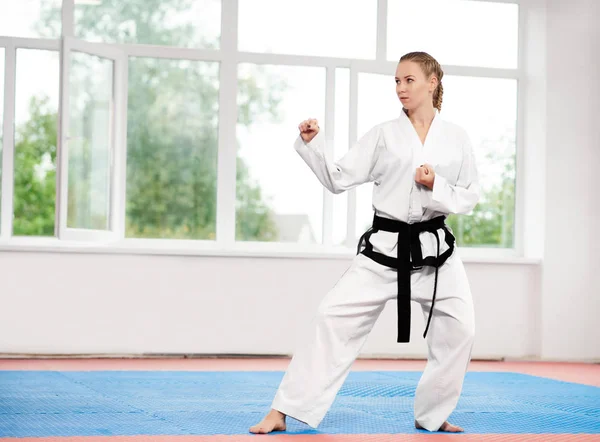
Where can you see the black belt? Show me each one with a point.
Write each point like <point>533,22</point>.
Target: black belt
<point>409,245</point>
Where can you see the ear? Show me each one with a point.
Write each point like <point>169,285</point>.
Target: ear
<point>433,83</point>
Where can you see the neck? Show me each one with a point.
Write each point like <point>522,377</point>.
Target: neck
<point>421,116</point>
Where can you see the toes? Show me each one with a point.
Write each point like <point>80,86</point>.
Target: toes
<point>449,428</point>
<point>446,427</point>
<point>257,430</point>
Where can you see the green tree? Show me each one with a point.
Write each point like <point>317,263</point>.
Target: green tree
<point>35,173</point>
<point>492,222</point>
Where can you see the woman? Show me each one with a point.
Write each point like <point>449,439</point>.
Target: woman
<point>423,169</point>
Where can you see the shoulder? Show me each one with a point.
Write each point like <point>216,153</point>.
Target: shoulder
<point>387,124</point>
<point>380,129</point>
<point>377,131</point>
<point>384,125</point>
<point>457,133</point>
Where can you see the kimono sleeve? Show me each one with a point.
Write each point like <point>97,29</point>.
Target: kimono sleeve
<point>354,168</point>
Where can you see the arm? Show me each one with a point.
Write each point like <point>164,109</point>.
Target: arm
<point>354,168</point>
<point>461,198</point>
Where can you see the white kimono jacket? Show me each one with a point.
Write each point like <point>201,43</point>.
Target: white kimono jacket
<point>388,155</point>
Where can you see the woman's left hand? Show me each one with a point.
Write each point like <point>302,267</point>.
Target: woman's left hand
<point>425,175</point>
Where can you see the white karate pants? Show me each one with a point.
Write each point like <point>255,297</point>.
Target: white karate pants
<point>343,321</point>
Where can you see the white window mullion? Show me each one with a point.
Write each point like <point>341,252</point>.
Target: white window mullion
<point>292,60</point>
<point>520,179</point>
<point>382,11</point>
<point>329,144</point>
<point>30,43</point>
<point>169,52</point>
<point>352,137</point>
<point>119,151</point>
<point>68,18</point>
<point>62,169</point>
<point>226,166</point>
<point>8,148</point>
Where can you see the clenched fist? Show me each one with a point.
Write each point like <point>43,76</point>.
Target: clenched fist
<point>308,129</point>
<point>425,175</point>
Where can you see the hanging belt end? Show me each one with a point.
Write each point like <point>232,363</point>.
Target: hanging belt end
<point>403,336</point>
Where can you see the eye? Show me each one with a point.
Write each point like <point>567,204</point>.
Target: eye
<point>397,81</point>
<point>410,80</point>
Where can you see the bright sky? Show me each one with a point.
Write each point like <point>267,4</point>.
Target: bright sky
<point>454,31</point>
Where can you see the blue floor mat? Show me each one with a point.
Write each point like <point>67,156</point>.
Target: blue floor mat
<point>100,403</point>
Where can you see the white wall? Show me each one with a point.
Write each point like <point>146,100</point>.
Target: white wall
<point>62,303</point>
<point>571,277</point>
<point>73,303</point>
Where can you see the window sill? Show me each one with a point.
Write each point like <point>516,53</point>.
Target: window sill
<point>238,250</point>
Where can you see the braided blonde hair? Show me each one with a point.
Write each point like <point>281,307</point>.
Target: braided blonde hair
<point>430,66</point>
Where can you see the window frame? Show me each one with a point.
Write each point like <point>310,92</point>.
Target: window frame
<point>229,58</point>
<point>117,148</point>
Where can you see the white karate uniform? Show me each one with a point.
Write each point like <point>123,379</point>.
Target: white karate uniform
<point>388,155</point>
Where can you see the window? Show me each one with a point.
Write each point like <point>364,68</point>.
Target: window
<point>36,98</point>
<point>334,28</point>
<point>172,141</point>
<point>30,18</point>
<point>278,196</point>
<point>483,34</point>
<point>89,147</point>
<point>92,115</point>
<point>148,101</point>
<point>190,23</point>
<point>486,108</point>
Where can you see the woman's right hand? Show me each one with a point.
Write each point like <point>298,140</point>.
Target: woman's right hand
<point>309,129</point>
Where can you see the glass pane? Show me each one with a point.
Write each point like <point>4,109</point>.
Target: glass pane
<point>89,132</point>
<point>377,102</point>
<point>30,18</point>
<point>278,196</point>
<point>458,32</point>
<point>184,23</point>
<point>172,141</point>
<point>340,147</point>
<point>493,132</point>
<point>35,142</point>
<point>312,27</point>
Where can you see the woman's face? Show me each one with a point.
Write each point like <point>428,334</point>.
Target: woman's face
<point>412,86</point>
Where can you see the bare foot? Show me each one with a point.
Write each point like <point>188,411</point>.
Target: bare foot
<point>274,421</point>
<point>449,428</point>
<point>446,427</point>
